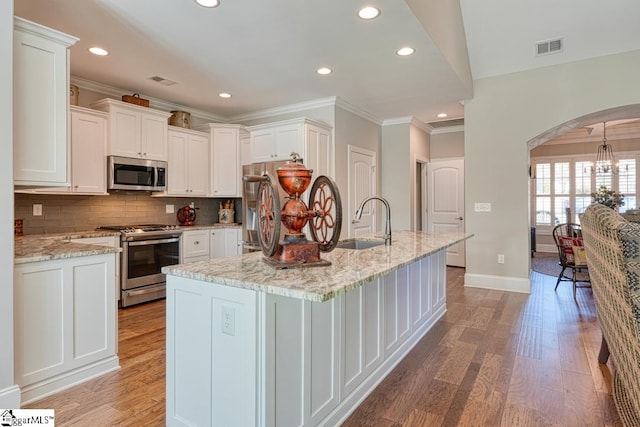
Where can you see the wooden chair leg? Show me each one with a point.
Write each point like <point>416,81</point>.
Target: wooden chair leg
<point>603,355</point>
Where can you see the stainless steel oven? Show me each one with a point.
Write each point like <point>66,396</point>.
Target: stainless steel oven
<point>145,250</point>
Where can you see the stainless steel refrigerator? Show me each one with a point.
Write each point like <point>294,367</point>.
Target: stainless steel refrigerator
<point>249,202</point>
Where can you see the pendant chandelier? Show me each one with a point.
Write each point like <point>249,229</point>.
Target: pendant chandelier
<point>605,161</point>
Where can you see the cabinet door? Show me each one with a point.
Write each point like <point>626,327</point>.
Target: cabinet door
<point>177,176</point>
<point>217,244</point>
<point>198,165</point>
<point>226,162</point>
<point>230,242</point>
<point>318,153</point>
<point>195,244</point>
<point>124,135</point>
<point>263,145</point>
<point>245,150</point>
<point>153,142</point>
<point>288,140</point>
<point>88,147</point>
<point>40,105</point>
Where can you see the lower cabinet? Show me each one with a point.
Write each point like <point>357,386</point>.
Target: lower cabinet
<point>194,246</point>
<point>242,357</point>
<point>65,323</point>
<point>225,242</point>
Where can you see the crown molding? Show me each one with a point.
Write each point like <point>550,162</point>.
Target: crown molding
<point>447,129</point>
<point>409,120</point>
<point>344,105</point>
<point>155,102</point>
<point>285,109</point>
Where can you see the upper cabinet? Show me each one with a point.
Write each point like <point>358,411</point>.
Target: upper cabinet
<point>226,164</point>
<point>135,131</point>
<point>88,151</point>
<point>40,104</point>
<point>188,171</point>
<point>309,138</point>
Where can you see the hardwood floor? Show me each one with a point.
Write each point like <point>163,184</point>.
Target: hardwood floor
<point>495,359</point>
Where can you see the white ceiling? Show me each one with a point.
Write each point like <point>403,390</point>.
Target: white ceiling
<point>265,52</point>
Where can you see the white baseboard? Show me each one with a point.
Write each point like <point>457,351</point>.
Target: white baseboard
<point>49,386</point>
<point>10,397</point>
<point>498,283</point>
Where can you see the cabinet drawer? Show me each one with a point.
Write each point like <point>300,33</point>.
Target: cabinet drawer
<point>195,244</point>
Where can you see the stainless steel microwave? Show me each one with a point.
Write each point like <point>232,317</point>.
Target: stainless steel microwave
<point>126,173</point>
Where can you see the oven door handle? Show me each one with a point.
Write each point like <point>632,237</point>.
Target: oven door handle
<point>153,242</point>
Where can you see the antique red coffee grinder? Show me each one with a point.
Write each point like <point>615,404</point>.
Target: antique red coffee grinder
<point>323,214</point>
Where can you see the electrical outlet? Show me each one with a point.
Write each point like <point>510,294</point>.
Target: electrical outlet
<point>192,205</point>
<point>169,208</point>
<point>482,207</point>
<point>500,258</point>
<point>228,320</point>
<point>37,209</point>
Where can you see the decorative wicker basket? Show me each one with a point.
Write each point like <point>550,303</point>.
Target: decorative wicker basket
<point>135,99</point>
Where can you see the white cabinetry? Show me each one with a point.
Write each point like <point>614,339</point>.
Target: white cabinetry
<point>292,361</point>
<point>195,246</point>
<point>188,157</point>
<point>309,138</point>
<point>112,242</point>
<point>226,165</point>
<point>40,105</point>
<point>225,242</point>
<point>135,131</point>
<point>65,323</point>
<point>88,151</point>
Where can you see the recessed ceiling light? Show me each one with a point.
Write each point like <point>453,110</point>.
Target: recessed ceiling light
<point>98,51</point>
<point>405,51</point>
<point>224,95</point>
<point>324,71</point>
<point>442,115</point>
<point>368,12</point>
<point>208,3</point>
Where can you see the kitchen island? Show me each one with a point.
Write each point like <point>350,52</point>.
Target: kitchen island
<point>251,345</point>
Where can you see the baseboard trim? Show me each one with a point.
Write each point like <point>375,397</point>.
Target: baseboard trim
<point>10,397</point>
<point>49,386</point>
<point>498,283</point>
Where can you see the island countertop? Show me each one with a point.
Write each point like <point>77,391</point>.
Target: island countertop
<point>348,270</point>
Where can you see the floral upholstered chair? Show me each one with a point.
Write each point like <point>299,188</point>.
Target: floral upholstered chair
<point>612,245</point>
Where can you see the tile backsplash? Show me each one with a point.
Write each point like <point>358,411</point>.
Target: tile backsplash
<point>67,213</point>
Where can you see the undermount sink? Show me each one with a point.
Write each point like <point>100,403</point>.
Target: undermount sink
<point>359,244</point>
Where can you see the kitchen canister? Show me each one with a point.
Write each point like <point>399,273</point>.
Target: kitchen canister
<point>181,119</point>
<point>74,92</point>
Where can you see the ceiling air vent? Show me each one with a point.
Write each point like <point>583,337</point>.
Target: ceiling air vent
<point>548,47</point>
<point>162,80</point>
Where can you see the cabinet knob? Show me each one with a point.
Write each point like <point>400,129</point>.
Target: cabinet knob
<point>197,242</point>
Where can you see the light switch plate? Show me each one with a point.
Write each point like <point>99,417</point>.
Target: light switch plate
<point>169,208</point>
<point>482,207</point>
<point>37,209</point>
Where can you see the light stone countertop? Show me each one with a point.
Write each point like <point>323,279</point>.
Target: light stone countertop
<point>45,247</point>
<point>348,270</point>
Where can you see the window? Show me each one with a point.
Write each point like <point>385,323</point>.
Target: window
<point>563,187</point>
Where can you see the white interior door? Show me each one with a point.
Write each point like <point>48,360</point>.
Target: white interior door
<point>445,210</point>
<point>362,184</point>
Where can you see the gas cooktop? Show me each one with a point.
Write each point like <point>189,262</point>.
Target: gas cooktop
<point>139,228</point>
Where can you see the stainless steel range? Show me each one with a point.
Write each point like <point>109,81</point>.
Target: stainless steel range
<point>146,249</point>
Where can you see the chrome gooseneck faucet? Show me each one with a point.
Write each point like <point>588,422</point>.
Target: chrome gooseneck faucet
<point>387,230</point>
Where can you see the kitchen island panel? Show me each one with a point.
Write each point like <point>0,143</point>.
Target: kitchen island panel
<point>211,340</point>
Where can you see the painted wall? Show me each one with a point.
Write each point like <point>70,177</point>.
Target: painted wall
<point>402,145</point>
<point>396,174</point>
<point>352,129</point>
<point>505,113</point>
<point>9,392</point>
<point>446,145</point>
